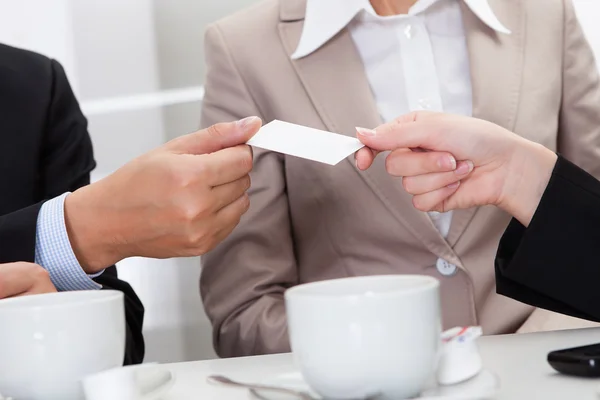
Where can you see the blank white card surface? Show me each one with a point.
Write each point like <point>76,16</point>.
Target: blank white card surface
<point>301,141</point>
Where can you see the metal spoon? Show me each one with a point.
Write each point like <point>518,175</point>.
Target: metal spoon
<point>223,380</point>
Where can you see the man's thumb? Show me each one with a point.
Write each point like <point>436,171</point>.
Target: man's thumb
<point>216,137</point>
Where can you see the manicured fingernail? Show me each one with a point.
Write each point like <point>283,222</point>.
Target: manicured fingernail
<point>365,131</point>
<point>464,168</point>
<point>454,185</point>
<point>247,122</point>
<point>448,162</point>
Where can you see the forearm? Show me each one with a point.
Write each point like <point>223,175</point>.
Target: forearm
<point>259,329</point>
<point>530,170</point>
<point>89,227</point>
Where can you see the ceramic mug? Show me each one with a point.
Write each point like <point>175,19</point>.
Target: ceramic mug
<point>50,342</point>
<point>361,337</point>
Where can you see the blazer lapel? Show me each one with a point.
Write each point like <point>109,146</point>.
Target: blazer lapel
<point>496,62</point>
<point>334,79</point>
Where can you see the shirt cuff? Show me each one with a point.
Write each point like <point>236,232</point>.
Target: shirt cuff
<point>53,249</point>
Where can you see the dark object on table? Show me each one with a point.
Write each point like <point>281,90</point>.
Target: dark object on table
<point>578,361</point>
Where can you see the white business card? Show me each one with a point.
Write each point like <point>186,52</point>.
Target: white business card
<point>301,141</point>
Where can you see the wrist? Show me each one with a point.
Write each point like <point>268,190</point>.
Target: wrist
<point>89,232</point>
<point>528,174</point>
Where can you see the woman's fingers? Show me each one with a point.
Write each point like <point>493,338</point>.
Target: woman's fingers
<point>408,162</point>
<point>403,132</point>
<point>364,158</point>
<point>436,200</point>
<point>417,162</point>
<point>420,184</point>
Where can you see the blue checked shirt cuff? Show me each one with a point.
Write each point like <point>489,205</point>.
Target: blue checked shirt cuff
<point>53,249</point>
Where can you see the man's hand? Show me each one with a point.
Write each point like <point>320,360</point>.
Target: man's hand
<point>449,162</point>
<point>179,200</point>
<point>21,278</point>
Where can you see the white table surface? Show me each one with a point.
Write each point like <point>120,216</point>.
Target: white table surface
<point>519,361</point>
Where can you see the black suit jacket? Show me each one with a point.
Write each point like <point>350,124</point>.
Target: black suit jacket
<point>555,262</point>
<point>45,150</point>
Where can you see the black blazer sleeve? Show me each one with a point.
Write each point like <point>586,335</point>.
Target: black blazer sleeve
<point>17,235</point>
<point>554,263</point>
<point>66,159</point>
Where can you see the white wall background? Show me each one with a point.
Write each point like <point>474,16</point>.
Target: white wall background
<point>137,68</point>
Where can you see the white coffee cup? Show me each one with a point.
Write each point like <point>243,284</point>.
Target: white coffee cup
<point>369,336</point>
<point>50,342</point>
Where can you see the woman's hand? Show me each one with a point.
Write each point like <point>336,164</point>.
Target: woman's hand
<point>451,162</point>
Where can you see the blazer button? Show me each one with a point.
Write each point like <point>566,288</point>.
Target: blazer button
<point>445,268</point>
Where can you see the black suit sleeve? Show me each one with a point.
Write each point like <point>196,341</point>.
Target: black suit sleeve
<point>17,235</point>
<point>554,263</point>
<point>66,152</point>
<point>66,161</point>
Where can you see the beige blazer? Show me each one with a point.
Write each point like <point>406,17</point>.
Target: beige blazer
<point>309,222</point>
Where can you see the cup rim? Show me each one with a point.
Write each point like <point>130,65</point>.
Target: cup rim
<point>306,289</point>
<point>80,298</point>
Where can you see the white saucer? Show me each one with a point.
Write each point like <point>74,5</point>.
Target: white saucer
<point>484,386</point>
